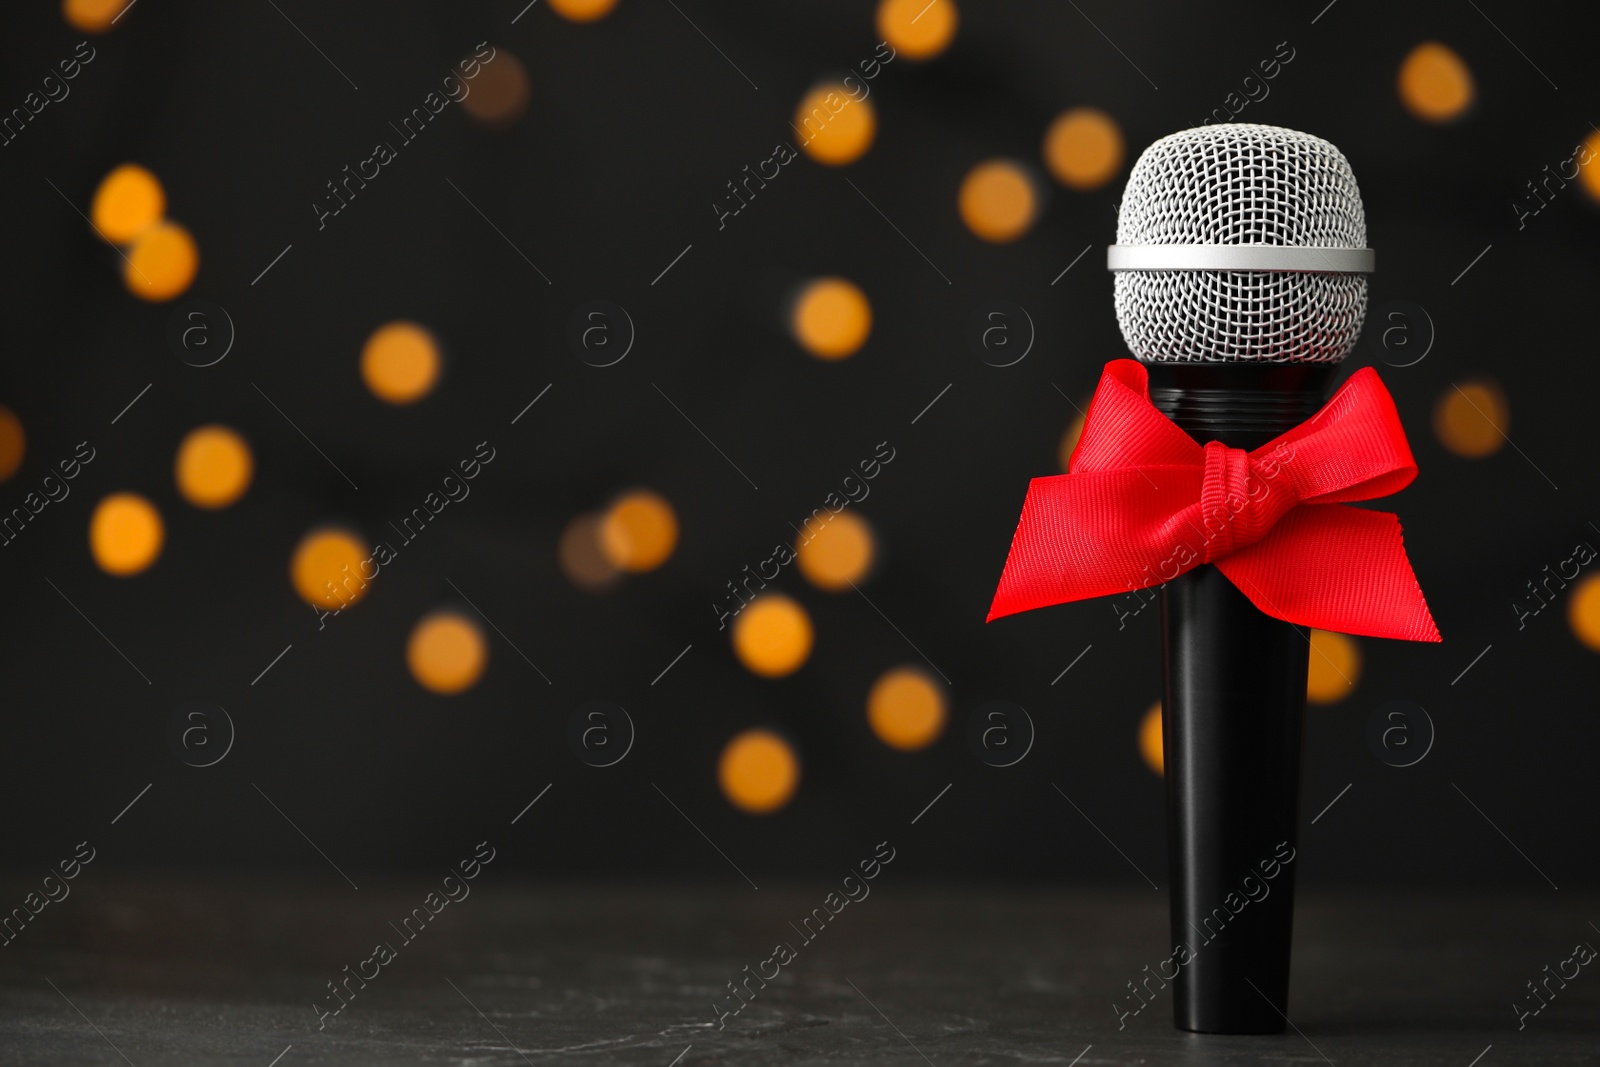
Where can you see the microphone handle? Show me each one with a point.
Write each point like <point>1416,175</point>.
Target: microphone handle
<point>1232,712</point>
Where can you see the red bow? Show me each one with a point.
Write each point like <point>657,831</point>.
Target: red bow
<point>1144,502</point>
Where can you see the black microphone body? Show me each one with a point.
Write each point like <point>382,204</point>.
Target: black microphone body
<point>1232,712</point>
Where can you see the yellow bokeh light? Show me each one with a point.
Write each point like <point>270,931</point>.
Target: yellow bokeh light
<point>400,363</point>
<point>93,16</point>
<point>582,559</point>
<point>758,772</point>
<point>1435,84</point>
<point>772,636</point>
<point>1583,611</point>
<point>906,709</point>
<point>1083,148</point>
<point>162,262</point>
<point>918,29</point>
<point>329,568</point>
<point>1471,418</point>
<point>1334,667</point>
<point>13,443</point>
<point>1069,442</point>
<point>638,531</point>
<point>1150,739</point>
<point>1589,173</point>
<point>125,534</point>
<point>582,10</point>
<point>838,554</point>
<point>831,318</point>
<point>447,652</point>
<point>128,202</point>
<point>499,94</point>
<point>834,127</point>
<point>998,201</point>
<point>214,467</point>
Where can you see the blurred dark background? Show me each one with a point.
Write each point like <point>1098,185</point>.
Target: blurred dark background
<point>633,126</point>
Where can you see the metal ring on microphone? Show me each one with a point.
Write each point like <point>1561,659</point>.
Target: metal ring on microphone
<point>1303,258</point>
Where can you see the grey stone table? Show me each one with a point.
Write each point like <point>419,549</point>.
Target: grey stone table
<point>153,972</point>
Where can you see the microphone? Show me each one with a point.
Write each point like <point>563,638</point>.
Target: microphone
<point>1240,274</point>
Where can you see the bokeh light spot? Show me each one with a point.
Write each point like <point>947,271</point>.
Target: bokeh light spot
<point>998,201</point>
<point>499,94</point>
<point>772,636</point>
<point>638,532</point>
<point>1589,173</point>
<point>834,127</point>
<point>92,16</point>
<point>214,467</point>
<point>758,772</point>
<point>1583,611</point>
<point>839,553</point>
<point>128,202</point>
<point>1471,418</point>
<point>582,559</point>
<point>1083,148</point>
<point>1069,442</point>
<point>13,443</point>
<point>918,29</point>
<point>582,10</point>
<point>447,652</point>
<point>831,318</point>
<point>330,556</point>
<point>906,709</point>
<point>125,534</point>
<point>400,363</point>
<point>1334,667</point>
<point>1435,84</point>
<point>1150,739</point>
<point>162,262</point>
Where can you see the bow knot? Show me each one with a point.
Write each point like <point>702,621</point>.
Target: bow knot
<point>1144,502</point>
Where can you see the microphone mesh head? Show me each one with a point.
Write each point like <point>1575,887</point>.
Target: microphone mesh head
<point>1241,184</point>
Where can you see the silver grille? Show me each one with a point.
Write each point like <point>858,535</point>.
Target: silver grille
<point>1241,184</point>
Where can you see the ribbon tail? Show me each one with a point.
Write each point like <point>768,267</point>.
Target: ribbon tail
<point>1336,568</point>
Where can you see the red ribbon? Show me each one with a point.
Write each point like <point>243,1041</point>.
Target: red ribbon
<point>1144,502</point>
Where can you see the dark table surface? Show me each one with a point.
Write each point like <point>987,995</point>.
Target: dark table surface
<point>204,971</point>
